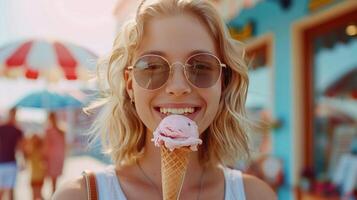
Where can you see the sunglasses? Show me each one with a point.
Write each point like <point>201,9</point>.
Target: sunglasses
<point>202,70</point>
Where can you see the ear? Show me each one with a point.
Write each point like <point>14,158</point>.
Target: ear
<point>128,83</point>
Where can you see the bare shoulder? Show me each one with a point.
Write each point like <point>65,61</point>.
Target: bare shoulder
<point>75,189</point>
<point>255,188</point>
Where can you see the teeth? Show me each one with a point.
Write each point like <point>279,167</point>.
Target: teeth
<point>179,111</point>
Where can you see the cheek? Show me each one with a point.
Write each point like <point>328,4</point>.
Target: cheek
<point>141,98</point>
<point>143,108</point>
<point>213,103</point>
<point>212,98</point>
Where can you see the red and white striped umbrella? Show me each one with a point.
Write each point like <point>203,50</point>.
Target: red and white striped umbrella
<point>52,60</point>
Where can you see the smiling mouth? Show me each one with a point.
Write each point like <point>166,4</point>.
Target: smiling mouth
<point>177,111</point>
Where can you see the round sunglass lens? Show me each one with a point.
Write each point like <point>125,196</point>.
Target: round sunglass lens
<point>203,70</point>
<point>151,72</point>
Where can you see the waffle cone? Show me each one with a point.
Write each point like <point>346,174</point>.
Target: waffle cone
<point>173,170</point>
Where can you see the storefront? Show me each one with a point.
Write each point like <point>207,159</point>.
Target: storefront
<point>310,55</point>
<point>324,57</point>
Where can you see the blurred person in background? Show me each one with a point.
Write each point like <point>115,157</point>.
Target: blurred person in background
<point>11,138</point>
<point>34,153</point>
<point>55,145</point>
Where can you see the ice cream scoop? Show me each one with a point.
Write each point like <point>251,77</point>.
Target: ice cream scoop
<point>176,131</point>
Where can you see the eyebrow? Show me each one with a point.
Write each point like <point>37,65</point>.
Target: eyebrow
<point>199,51</point>
<point>163,54</point>
<point>155,52</point>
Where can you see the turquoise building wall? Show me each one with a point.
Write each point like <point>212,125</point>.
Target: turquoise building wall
<point>270,17</point>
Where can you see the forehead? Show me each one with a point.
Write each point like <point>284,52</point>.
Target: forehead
<point>176,36</point>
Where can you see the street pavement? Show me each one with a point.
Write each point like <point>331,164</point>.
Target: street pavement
<point>73,167</point>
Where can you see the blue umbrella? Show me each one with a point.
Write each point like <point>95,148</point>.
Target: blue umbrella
<point>49,101</point>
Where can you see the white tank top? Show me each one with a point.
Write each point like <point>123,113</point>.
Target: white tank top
<point>109,187</point>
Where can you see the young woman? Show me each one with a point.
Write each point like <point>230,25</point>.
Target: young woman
<point>176,56</point>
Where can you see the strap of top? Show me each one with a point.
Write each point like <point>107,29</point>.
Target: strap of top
<point>234,184</point>
<point>108,185</point>
<point>91,185</point>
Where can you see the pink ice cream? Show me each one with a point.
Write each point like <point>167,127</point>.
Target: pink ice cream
<point>176,131</point>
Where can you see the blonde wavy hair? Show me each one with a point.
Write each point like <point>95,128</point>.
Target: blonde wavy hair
<point>122,132</point>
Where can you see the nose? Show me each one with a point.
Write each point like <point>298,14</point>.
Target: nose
<point>177,84</point>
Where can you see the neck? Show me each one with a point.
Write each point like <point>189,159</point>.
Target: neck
<point>11,122</point>
<point>53,125</point>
